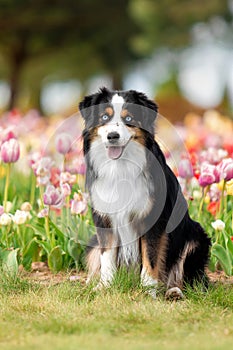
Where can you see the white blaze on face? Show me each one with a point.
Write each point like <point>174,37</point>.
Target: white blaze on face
<point>115,125</point>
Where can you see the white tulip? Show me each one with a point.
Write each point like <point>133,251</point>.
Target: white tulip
<point>5,219</point>
<point>218,225</point>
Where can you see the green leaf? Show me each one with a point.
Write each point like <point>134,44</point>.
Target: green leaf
<point>55,259</point>
<point>74,249</point>
<point>59,233</point>
<point>30,253</point>
<point>223,257</point>
<point>9,259</point>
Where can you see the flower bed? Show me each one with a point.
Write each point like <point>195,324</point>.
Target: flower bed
<point>44,210</point>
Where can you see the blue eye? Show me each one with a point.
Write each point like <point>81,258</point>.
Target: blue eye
<point>105,117</point>
<point>128,119</point>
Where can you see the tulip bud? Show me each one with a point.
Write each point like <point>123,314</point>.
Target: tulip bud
<point>10,151</point>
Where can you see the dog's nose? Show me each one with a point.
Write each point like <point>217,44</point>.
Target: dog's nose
<point>113,136</point>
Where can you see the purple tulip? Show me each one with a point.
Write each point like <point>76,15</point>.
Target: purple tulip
<point>208,175</point>
<point>10,151</point>
<point>53,197</point>
<point>225,169</point>
<point>185,169</point>
<point>63,143</point>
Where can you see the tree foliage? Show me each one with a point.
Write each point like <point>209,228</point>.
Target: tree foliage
<point>168,22</point>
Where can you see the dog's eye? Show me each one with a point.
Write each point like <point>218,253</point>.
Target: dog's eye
<point>105,117</point>
<point>128,119</point>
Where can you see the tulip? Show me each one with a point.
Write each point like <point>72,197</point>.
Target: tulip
<point>63,143</point>
<point>229,187</point>
<point>225,169</point>
<point>185,169</point>
<point>9,154</point>
<point>42,170</point>
<point>26,206</point>
<point>79,204</point>
<point>53,197</point>
<point>66,177</point>
<point>21,217</point>
<point>208,175</point>
<point>5,219</point>
<point>218,225</point>
<point>10,151</point>
<point>66,190</point>
<point>43,213</point>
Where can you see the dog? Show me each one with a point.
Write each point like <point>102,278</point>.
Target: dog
<point>139,211</point>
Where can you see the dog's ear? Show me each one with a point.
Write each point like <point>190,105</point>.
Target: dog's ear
<point>92,100</point>
<point>141,99</point>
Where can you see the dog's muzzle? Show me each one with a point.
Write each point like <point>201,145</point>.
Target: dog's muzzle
<point>114,147</point>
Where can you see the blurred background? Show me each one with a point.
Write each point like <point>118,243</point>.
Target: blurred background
<point>179,52</point>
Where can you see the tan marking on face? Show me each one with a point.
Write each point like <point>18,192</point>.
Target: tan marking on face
<point>109,111</point>
<point>125,113</point>
<point>138,135</point>
<point>93,134</point>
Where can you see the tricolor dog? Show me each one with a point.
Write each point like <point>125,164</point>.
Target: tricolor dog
<point>139,211</point>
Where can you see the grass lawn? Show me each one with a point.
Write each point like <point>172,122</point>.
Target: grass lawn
<point>70,315</point>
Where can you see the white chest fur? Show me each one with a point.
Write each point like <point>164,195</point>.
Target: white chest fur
<point>120,190</point>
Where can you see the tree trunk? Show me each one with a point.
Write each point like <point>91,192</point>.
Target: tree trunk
<point>117,80</point>
<point>18,56</point>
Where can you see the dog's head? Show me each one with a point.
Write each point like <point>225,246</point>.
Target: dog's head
<point>118,117</point>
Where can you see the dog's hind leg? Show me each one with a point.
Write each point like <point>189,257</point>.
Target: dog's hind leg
<point>176,274</point>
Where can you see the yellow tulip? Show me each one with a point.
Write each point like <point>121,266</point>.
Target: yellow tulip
<point>229,187</point>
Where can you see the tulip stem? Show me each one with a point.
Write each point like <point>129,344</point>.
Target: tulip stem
<point>8,169</point>
<point>33,188</point>
<point>68,210</point>
<point>222,199</point>
<point>204,192</point>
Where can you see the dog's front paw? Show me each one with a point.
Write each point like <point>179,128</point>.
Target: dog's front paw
<point>174,294</point>
<point>101,285</point>
<point>152,293</point>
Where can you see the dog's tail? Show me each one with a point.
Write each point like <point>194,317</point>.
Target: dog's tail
<point>93,258</point>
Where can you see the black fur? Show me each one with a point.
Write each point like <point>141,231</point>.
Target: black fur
<point>179,235</point>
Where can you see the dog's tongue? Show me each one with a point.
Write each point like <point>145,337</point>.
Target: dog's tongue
<point>114,152</point>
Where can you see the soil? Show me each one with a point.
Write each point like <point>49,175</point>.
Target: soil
<point>40,273</point>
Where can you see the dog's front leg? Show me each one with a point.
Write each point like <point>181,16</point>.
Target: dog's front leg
<point>107,267</point>
<point>149,273</point>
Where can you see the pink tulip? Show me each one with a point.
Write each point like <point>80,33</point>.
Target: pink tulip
<point>10,151</point>
<point>225,169</point>
<point>66,190</point>
<point>53,197</point>
<point>185,169</point>
<point>63,143</point>
<point>42,170</point>
<point>79,204</point>
<point>208,175</point>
